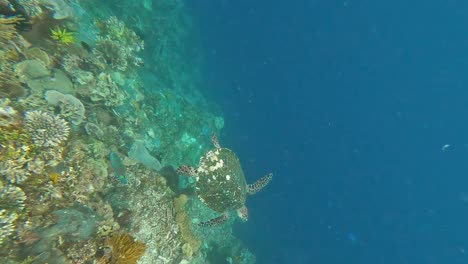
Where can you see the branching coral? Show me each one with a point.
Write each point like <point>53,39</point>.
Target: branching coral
<point>20,157</point>
<point>113,53</point>
<point>14,170</point>
<point>16,151</point>
<point>94,130</point>
<point>11,206</point>
<point>118,45</point>
<point>107,91</point>
<point>45,129</point>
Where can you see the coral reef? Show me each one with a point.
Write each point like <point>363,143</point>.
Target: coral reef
<point>86,127</point>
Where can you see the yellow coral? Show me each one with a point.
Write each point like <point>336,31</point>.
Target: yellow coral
<point>63,36</point>
<point>125,250</point>
<point>184,221</point>
<point>15,144</point>
<point>54,177</point>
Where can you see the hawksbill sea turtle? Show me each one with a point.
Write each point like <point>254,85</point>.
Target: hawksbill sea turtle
<point>220,183</point>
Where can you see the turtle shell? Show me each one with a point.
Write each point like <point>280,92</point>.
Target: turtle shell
<point>221,182</point>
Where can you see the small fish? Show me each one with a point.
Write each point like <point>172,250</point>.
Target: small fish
<point>445,147</point>
<point>86,46</point>
<point>119,168</point>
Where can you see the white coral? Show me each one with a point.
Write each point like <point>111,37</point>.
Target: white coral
<point>45,129</point>
<point>14,171</point>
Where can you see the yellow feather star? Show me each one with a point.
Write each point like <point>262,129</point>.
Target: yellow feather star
<point>62,36</point>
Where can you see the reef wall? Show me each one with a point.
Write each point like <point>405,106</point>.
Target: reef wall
<point>99,101</point>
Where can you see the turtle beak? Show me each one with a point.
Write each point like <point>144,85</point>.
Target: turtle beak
<point>243,213</point>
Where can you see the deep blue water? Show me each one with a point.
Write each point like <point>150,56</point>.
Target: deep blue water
<point>349,104</point>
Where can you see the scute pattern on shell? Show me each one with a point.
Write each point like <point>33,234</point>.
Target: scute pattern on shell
<point>221,182</point>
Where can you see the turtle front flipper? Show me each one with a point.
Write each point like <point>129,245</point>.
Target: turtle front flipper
<point>258,185</point>
<point>187,170</point>
<point>215,221</point>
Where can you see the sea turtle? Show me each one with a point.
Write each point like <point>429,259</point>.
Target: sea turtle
<point>220,183</point>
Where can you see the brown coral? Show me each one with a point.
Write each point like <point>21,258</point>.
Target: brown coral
<point>10,48</point>
<point>125,250</point>
<point>8,29</point>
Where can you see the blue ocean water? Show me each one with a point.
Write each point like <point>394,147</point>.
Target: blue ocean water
<point>359,108</point>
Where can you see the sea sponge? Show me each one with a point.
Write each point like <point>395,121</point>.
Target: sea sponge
<point>71,107</point>
<point>45,129</point>
<point>139,152</point>
<point>94,130</point>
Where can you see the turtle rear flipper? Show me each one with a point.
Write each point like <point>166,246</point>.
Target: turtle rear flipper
<point>258,185</point>
<point>215,221</point>
<point>187,170</point>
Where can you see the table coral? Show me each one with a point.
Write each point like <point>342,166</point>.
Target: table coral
<point>71,108</point>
